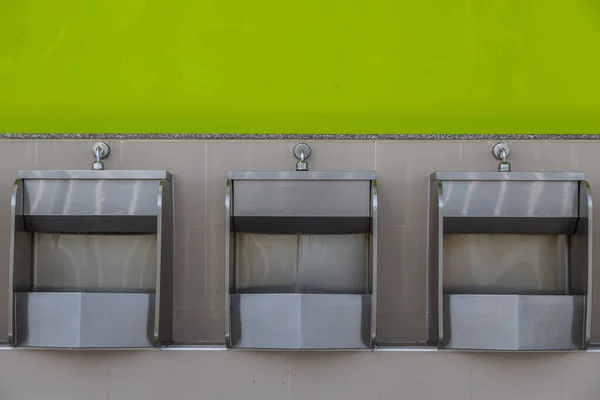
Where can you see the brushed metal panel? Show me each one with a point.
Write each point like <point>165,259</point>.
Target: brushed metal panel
<point>550,323</point>
<point>116,320</point>
<point>508,199</point>
<point>19,268</point>
<point>114,263</point>
<point>435,265</point>
<point>90,197</point>
<point>48,319</point>
<point>373,262</point>
<point>300,321</point>
<point>513,322</point>
<point>507,176</point>
<point>581,257</point>
<point>509,225</point>
<point>102,224</point>
<point>84,320</point>
<point>301,263</point>
<point>266,263</point>
<point>302,225</point>
<point>480,322</point>
<point>165,261</point>
<point>301,198</point>
<point>503,264</point>
<point>302,175</point>
<point>89,174</point>
<point>333,264</point>
<point>338,321</point>
<point>266,321</point>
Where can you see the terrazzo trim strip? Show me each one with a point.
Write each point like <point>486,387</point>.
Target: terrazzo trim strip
<point>251,136</point>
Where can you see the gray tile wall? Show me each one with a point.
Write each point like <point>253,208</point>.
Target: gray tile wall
<point>200,169</point>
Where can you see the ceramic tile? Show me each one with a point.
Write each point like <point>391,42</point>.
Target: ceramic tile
<point>341,156</point>
<point>189,269</point>
<point>215,285</point>
<point>74,154</point>
<point>4,255</point>
<point>401,285</point>
<point>205,375</point>
<point>411,376</point>
<point>9,378</point>
<point>516,376</point>
<point>525,155</point>
<point>580,376</point>
<point>335,375</point>
<point>62,375</point>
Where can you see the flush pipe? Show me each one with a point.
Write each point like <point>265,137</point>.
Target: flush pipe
<point>500,151</point>
<point>302,153</point>
<point>101,151</point>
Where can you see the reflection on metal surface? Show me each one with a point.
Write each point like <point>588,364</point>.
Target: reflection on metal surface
<point>538,207</point>
<point>300,176</point>
<point>509,261</point>
<point>300,260</point>
<point>301,263</point>
<point>296,198</point>
<point>121,263</point>
<point>502,264</point>
<point>57,197</point>
<point>524,176</point>
<point>84,174</point>
<point>96,247</point>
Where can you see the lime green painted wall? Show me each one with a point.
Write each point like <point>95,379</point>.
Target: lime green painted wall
<point>343,66</point>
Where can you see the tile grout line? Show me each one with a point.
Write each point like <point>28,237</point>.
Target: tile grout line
<point>562,377</point>
<point>107,381</point>
<point>375,156</point>
<point>206,233</point>
<point>379,369</point>
<point>470,378</point>
<point>545,155</point>
<point>18,357</point>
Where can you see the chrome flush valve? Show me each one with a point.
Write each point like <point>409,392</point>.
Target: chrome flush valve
<point>101,150</point>
<point>501,152</point>
<point>302,152</point>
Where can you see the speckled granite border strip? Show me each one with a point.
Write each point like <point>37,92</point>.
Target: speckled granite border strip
<point>251,136</point>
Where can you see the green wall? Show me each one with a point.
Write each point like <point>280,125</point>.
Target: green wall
<point>341,66</point>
